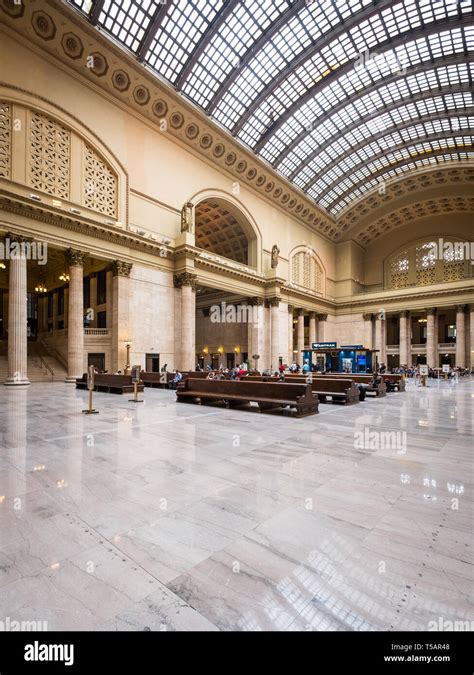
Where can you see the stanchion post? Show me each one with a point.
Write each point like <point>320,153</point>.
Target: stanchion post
<point>90,385</point>
<point>136,370</point>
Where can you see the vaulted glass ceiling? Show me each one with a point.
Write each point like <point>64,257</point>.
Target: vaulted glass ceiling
<point>337,95</point>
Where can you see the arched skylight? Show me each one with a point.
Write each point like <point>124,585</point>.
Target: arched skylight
<point>304,82</point>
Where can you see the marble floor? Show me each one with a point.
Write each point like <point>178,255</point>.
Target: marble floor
<point>166,516</point>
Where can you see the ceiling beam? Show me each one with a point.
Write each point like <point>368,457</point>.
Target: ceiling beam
<point>402,162</point>
<point>220,18</point>
<point>96,11</point>
<point>441,62</point>
<point>295,8</point>
<point>443,25</point>
<point>159,16</point>
<point>387,132</point>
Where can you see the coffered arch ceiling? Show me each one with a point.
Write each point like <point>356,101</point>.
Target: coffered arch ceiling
<point>337,95</point>
<point>218,230</point>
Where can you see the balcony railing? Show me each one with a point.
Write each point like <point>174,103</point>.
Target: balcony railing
<point>96,331</point>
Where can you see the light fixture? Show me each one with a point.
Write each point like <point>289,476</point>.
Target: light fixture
<point>236,350</point>
<point>205,350</point>
<point>64,277</point>
<point>220,350</point>
<point>422,320</point>
<point>41,288</point>
<point>3,266</point>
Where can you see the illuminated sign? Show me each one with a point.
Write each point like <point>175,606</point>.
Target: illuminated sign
<point>323,345</point>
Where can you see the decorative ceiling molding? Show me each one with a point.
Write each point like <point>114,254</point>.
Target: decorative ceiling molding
<point>414,183</point>
<point>158,102</point>
<point>218,231</point>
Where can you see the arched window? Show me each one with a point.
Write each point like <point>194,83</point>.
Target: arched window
<point>429,262</point>
<point>306,271</point>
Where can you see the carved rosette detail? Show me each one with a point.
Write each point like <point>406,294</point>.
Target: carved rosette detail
<point>75,258</point>
<point>121,268</point>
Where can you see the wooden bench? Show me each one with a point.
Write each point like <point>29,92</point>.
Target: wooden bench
<point>111,384</point>
<point>154,379</point>
<point>340,390</point>
<point>379,390</point>
<point>267,395</point>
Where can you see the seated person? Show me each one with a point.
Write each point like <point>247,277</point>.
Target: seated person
<point>176,380</point>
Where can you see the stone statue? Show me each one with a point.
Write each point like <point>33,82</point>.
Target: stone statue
<point>187,220</point>
<point>275,254</point>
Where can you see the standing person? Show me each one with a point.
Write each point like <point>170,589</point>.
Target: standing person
<point>305,367</point>
<point>281,368</point>
<point>165,368</point>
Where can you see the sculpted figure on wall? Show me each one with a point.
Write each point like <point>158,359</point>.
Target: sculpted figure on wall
<point>187,218</point>
<point>275,254</point>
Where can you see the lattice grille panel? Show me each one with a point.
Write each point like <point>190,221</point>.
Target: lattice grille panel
<point>425,276</point>
<point>5,139</point>
<point>453,271</point>
<point>49,162</point>
<point>306,272</point>
<point>99,184</point>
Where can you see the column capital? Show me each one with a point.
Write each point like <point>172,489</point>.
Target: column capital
<point>255,301</point>
<point>75,258</point>
<point>460,308</point>
<point>404,313</point>
<point>431,311</point>
<point>272,302</point>
<point>367,317</point>
<point>16,238</point>
<point>121,268</point>
<point>313,315</point>
<point>322,317</point>
<point>291,309</point>
<point>300,311</point>
<point>185,279</point>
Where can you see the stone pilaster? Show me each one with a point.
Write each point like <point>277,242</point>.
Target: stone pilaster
<point>17,322</point>
<point>75,333</point>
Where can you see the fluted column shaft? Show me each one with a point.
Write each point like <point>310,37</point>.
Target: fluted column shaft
<point>17,323</point>
<point>300,337</point>
<point>431,342</point>
<point>460,336</point>
<point>403,338</point>
<point>75,333</point>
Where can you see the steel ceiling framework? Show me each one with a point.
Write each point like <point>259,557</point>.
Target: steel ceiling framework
<point>284,77</point>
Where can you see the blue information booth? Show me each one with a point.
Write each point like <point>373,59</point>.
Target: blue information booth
<point>327,356</point>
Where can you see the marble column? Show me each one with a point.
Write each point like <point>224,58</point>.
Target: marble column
<point>368,331</point>
<point>461,336</point>
<point>274,304</point>
<point>471,341</point>
<point>312,328</point>
<point>290,334</point>
<point>109,299</point>
<point>403,318</point>
<point>300,337</point>
<point>322,327</point>
<point>431,340</point>
<point>93,299</point>
<point>409,340</point>
<point>17,322</point>
<point>75,333</point>
<point>122,330</point>
<point>186,282</point>
<point>378,339</point>
<point>255,331</point>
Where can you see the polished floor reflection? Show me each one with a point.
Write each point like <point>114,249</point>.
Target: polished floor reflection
<point>165,516</point>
